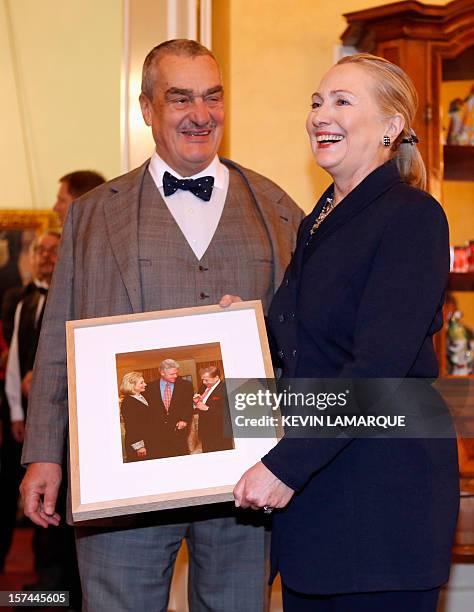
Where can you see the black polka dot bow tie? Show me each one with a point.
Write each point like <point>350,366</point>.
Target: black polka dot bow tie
<point>201,187</point>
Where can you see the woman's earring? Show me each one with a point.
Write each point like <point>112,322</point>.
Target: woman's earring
<point>386,141</point>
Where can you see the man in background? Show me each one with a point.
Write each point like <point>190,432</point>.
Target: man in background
<point>72,186</point>
<point>26,324</point>
<point>185,229</point>
<point>26,329</point>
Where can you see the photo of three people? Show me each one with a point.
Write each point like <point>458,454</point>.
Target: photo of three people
<point>173,402</point>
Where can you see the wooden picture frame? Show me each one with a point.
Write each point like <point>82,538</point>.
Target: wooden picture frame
<point>103,484</point>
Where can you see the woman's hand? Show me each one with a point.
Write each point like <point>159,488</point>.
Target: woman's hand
<point>259,487</point>
<point>227,299</point>
<point>141,452</point>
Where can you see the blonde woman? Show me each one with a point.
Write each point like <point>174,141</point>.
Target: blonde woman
<point>137,417</point>
<point>363,525</point>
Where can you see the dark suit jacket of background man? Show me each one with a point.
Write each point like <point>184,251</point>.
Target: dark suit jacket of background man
<point>54,548</point>
<point>11,297</point>
<point>166,440</point>
<point>29,324</point>
<point>98,274</point>
<point>11,470</point>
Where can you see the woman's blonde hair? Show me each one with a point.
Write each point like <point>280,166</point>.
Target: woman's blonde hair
<point>129,380</point>
<point>396,93</point>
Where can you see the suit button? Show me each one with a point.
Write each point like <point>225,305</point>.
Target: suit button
<point>294,352</point>
<point>281,353</point>
<point>203,295</point>
<point>292,315</point>
<point>281,318</point>
<point>287,282</point>
<point>203,269</point>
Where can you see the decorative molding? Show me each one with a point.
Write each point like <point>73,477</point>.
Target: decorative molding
<point>192,19</point>
<point>38,220</point>
<point>25,121</point>
<point>182,19</point>
<point>205,29</point>
<point>124,91</point>
<point>172,19</point>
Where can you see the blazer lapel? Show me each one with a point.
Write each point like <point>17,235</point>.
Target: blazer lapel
<point>175,399</point>
<point>272,220</point>
<point>303,243</point>
<point>373,186</point>
<point>121,222</point>
<point>154,395</point>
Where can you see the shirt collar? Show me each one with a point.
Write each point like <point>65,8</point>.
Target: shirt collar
<point>40,284</point>
<point>215,169</point>
<point>163,383</point>
<point>208,392</point>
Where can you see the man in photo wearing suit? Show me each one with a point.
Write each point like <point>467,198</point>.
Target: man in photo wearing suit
<point>215,429</point>
<point>185,229</point>
<point>171,399</point>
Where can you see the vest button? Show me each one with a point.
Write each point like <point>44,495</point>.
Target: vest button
<point>287,282</point>
<point>203,295</point>
<point>281,318</point>
<point>281,353</point>
<point>294,352</point>
<point>203,269</point>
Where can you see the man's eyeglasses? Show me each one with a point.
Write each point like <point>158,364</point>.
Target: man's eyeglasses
<point>41,250</point>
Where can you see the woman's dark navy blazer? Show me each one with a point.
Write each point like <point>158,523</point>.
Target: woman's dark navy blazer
<point>363,299</point>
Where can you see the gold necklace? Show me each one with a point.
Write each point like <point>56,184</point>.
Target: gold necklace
<point>327,208</point>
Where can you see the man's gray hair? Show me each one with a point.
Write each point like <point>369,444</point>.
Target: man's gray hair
<point>178,46</point>
<point>168,364</point>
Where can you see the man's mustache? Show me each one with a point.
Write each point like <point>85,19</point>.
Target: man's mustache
<point>191,125</point>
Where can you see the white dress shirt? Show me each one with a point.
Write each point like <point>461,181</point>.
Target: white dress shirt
<point>197,219</point>
<point>12,372</point>
<point>208,392</point>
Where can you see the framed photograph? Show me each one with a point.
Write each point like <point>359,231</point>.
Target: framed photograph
<point>17,230</point>
<point>143,390</point>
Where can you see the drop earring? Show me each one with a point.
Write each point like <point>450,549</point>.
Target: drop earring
<point>386,141</point>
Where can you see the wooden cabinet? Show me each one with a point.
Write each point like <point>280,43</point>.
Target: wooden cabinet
<point>420,38</point>
<point>431,43</point>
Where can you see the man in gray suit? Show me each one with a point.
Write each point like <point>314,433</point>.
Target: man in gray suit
<point>228,231</point>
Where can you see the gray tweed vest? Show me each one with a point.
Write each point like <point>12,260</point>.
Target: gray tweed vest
<point>238,260</point>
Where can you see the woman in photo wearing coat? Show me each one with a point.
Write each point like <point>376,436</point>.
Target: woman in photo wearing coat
<point>362,524</point>
<point>137,417</point>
